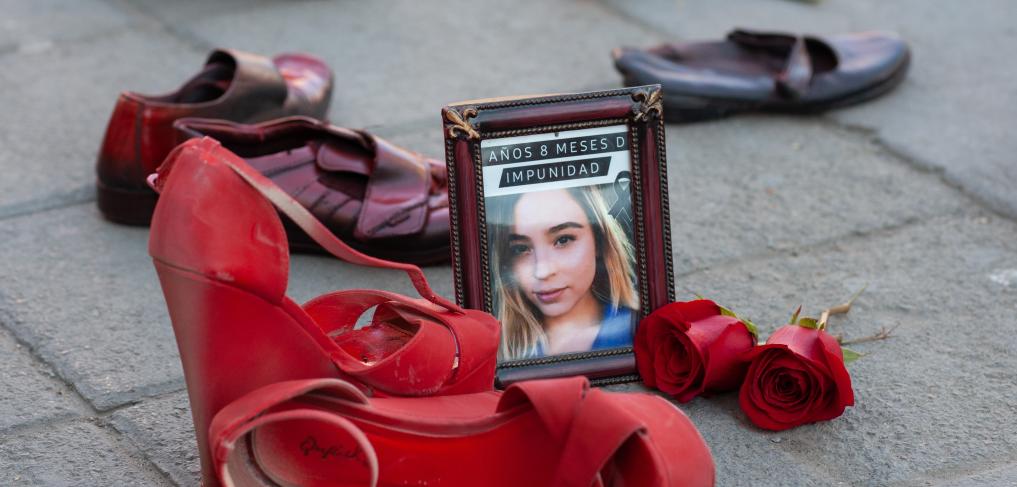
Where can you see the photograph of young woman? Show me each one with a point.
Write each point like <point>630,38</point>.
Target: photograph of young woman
<point>563,277</point>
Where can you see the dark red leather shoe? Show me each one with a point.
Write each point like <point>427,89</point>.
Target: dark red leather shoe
<point>769,72</point>
<point>380,199</point>
<point>233,85</point>
<point>553,433</point>
<point>220,251</point>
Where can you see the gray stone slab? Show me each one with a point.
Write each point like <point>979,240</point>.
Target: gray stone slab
<point>952,113</point>
<point>955,113</point>
<point>698,19</point>
<point>28,391</point>
<point>84,294</point>
<point>752,185</point>
<point>58,100</point>
<point>163,431</point>
<point>180,13</point>
<point>1005,475</point>
<point>72,454</point>
<point>939,397</point>
<point>400,62</point>
<point>37,24</point>
<point>427,140</point>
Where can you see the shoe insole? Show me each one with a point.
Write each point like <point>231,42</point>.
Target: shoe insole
<point>208,85</point>
<point>313,454</point>
<point>731,58</point>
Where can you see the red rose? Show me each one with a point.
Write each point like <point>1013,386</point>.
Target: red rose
<point>797,377</point>
<point>689,348</point>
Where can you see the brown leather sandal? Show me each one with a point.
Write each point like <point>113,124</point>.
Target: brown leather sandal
<point>767,72</point>
<point>382,200</point>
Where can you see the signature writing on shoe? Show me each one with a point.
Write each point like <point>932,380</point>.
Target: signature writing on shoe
<point>310,447</point>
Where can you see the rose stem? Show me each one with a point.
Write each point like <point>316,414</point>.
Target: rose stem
<point>883,334</point>
<point>839,309</point>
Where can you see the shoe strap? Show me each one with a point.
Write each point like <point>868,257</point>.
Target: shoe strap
<point>590,425</point>
<point>436,336</point>
<point>325,238</point>
<point>793,81</point>
<point>244,415</point>
<point>395,201</point>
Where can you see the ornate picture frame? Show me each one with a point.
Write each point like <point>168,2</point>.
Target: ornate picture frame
<point>616,139</point>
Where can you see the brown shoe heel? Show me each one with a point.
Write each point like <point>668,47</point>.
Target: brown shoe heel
<point>125,206</point>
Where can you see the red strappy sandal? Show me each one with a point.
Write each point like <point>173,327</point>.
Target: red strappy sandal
<point>556,432</point>
<point>222,258</point>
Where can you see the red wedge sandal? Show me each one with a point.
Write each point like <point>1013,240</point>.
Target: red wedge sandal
<point>557,432</point>
<point>222,258</point>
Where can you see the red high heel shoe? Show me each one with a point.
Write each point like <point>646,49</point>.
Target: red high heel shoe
<point>221,255</point>
<point>558,432</point>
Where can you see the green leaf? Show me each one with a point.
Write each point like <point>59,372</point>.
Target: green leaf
<point>748,324</point>
<point>850,355</point>
<point>753,329</point>
<point>808,323</point>
<point>794,317</point>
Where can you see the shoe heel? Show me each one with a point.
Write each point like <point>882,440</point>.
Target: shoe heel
<point>231,342</point>
<point>127,207</point>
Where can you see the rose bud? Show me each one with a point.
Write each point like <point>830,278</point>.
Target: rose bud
<point>685,349</point>
<point>797,377</point>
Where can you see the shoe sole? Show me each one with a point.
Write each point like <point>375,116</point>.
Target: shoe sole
<point>126,206</point>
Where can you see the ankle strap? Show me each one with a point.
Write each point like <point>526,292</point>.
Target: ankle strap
<point>315,229</point>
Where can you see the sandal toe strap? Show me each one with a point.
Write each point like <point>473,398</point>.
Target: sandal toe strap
<point>423,363</point>
<point>589,424</point>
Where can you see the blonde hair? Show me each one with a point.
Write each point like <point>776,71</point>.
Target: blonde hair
<point>521,325</point>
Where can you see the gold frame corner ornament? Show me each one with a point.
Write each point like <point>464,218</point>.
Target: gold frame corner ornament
<point>650,102</point>
<point>459,123</point>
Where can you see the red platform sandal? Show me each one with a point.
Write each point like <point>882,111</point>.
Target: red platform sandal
<point>221,255</point>
<point>556,432</point>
